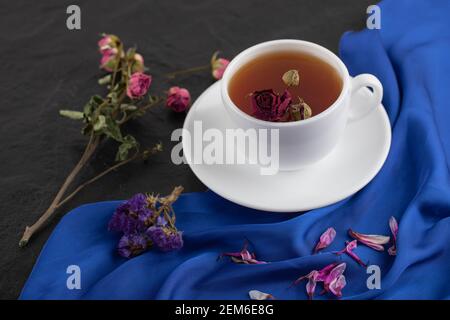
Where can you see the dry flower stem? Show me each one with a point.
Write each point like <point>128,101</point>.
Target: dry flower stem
<point>88,152</point>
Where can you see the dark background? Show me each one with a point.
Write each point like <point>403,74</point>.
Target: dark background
<point>45,67</point>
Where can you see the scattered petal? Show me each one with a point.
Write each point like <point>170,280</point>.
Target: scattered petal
<point>325,239</point>
<point>393,225</point>
<point>337,285</point>
<point>373,241</point>
<point>258,295</point>
<point>332,275</point>
<point>350,246</point>
<point>244,256</point>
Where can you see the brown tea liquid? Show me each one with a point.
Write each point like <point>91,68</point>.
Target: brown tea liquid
<point>320,84</point>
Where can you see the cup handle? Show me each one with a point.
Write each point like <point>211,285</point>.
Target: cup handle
<point>363,102</point>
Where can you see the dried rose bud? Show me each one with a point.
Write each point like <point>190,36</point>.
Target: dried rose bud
<point>291,78</point>
<point>325,239</point>
<point>178,99</point>
<point>138,63</point>
<point>218,66</point>
<point>300,110</point>
<point>109,59</point>
<point>107,42</point>
<point>373,241</point>
<point>138,85</point>
<point>270,106</point>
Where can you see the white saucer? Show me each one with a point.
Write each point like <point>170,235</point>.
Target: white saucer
<point>354,162</point>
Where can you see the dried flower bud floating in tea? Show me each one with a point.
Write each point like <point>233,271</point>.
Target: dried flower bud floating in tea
<point>291,78</point>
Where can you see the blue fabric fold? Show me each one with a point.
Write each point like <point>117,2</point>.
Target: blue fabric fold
<point>410,55</point>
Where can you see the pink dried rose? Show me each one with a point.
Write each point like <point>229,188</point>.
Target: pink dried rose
<point>218,66</point>
<point>331,276</point>
<point>393,225</point>
<point>350,246</point>
<point>325,239</point>
<point>138,85</point>
<point>138,65</point>
<point>373,241</point>
<point>244,256</point>
<point>109,59</point>
<point>178,99</point>
<point>270,106</point>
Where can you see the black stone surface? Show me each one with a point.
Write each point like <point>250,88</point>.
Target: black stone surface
<point>45,67</point>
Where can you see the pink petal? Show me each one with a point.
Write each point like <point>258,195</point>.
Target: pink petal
<point>244,256</point>
<point>392,250</point>
<point>356,258</point>
<point>311,287</point>
<point>325,239</point>
<point>393,225</point>
<point>312,274</point>
<point>336,272</point>
<point>324,272</point>
<point>337,285</point>
<point>258,295</point>
<point>349,250</point>
<point>371,240</point>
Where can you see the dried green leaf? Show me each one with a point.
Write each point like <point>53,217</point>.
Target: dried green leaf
<point>74,115</point>
<point>112,130</point>
<point>100,123</point>
<point>129,143</point>
<point>128,107</point>
<point>104,80</point>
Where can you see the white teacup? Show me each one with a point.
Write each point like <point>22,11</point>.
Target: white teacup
<point>302,143</point>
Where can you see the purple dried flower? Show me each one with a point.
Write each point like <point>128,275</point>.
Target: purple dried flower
<point>325,239</point>
<point>131,245</point>
<point>165,238</point>
<point>373,241</point>
<point>393,225</point>
<point>131,216</point>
